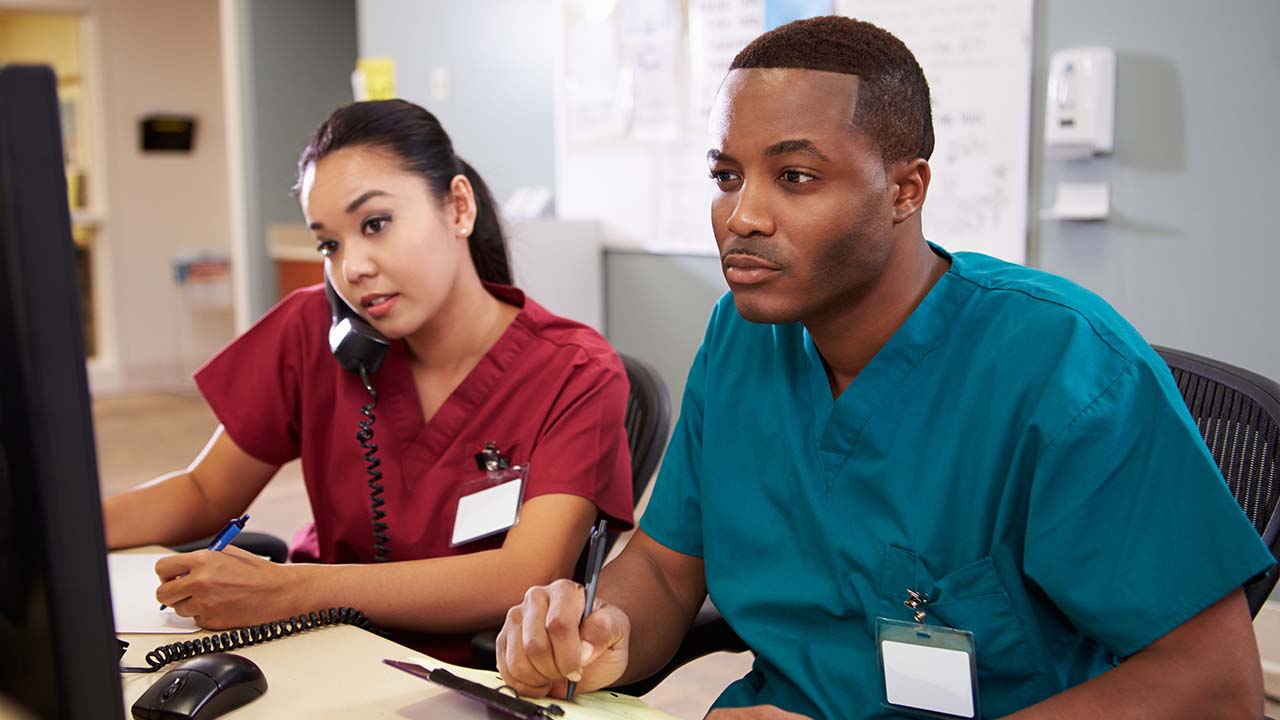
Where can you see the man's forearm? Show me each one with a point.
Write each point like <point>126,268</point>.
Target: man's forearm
<point>1206,668</point>
<point>659,616</point>
<point>1150,688</point>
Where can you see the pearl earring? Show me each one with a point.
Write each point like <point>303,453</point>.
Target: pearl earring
<point>463,232</point>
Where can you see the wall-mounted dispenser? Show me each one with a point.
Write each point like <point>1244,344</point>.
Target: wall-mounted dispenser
<point>1081,102</point>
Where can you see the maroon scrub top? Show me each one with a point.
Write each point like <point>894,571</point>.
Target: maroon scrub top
<point>551,393</point>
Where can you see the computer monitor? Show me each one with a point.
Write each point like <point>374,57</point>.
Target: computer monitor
<point>58,656</point>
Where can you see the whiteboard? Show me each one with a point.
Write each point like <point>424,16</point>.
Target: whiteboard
<point>642,173</point>
<point>976,55</point>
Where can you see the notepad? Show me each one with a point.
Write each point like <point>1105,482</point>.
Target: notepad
<point>133,597</point>
<point>598,705</point>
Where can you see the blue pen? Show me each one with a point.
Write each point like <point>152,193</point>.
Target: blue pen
<point>224,538</point>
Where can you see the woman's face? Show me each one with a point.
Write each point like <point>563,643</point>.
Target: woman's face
<point>391,248</point>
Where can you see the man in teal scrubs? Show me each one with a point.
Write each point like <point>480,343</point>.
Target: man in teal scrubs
<point>871,416</point>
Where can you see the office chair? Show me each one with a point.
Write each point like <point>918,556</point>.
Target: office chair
<point>648,422</point>
<point>263,544</point>
<point>1238,413</point>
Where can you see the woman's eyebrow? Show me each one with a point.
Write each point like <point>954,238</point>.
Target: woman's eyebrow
<point>355,204</point>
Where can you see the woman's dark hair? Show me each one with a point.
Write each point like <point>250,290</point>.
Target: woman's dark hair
<point>415,136</point>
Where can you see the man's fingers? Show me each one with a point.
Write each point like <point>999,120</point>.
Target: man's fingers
<point>563,619</point>
<point>514,666</point>
<point>604,629</point>
<point>533,633</point>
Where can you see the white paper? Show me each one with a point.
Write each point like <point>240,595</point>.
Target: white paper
<point>718,30</point>
<point>133,597</point>
<point>651,34</point>
<point>484,513</point>
<point>927,678</point>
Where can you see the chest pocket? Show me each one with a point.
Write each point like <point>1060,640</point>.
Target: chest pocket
<point>972,598</point>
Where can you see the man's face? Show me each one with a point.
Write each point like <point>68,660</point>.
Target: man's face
<point>803,209</point>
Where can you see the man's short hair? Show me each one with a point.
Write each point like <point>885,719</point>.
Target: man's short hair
<point>893,96</point>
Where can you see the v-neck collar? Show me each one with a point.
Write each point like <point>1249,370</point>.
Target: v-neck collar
<point>840,421</point>
<point>405,406</point>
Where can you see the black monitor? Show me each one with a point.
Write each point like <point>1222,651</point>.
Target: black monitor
<point>58,656</point>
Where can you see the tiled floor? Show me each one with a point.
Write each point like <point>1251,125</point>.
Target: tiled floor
<point>142,437</point>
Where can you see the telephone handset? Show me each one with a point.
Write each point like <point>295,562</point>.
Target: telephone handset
<point>360,348</point>
<point>354,342</point>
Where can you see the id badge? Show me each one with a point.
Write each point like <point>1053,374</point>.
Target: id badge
<point>929,671</point>
<point>489,504</point>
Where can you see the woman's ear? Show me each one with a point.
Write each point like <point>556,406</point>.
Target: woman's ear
<point>911,177</point>
<point>462,206</point>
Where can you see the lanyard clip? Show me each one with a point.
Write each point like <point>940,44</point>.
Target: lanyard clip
<point>915,602</point>
<point>490,459</point>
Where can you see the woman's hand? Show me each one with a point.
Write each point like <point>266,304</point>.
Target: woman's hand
<point>228,589</point>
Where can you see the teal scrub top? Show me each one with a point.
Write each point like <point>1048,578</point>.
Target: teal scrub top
<point>1016,451</point>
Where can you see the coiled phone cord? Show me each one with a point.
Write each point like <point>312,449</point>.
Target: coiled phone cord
<point>252,635</point>
<point>365,436</point>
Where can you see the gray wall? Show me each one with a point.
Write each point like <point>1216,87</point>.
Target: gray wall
<point>1191,252</point>
<point>656,308</point>
<point>498,55</point>
<point>296,63</point>
<point>1186,257</point>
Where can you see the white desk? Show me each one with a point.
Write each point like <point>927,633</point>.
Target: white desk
<point>337,672</point>
<point>332,672</point>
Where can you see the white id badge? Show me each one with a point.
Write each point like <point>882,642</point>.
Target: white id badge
<point>929,671</point>
<point>489,505</point>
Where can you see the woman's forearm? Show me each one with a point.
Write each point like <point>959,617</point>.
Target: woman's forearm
<point>453,594</point>
<point>166,511</point>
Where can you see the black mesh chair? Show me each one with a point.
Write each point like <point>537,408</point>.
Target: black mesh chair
<point>1238,413</point>
<point>648,422</point>
<point>268,546</point>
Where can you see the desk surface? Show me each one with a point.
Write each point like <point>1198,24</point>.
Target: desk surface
<point>332,672</point>
<point>337,672</point>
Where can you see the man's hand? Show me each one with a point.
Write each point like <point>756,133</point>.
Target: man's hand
<point>755,712</point>
<point>228,589</point>
<point>541,648</point>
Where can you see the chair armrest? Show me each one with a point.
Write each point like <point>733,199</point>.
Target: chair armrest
<point>263,544</point>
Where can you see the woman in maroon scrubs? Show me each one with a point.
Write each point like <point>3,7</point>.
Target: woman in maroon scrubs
<point>411,239</point>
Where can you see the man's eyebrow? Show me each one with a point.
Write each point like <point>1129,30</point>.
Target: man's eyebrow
<point>713,155</point>
<point>800,145</point>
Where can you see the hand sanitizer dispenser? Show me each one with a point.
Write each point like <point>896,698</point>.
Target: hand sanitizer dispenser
<point>1080,117</point>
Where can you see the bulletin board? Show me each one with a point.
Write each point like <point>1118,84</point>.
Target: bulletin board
<point>636,80</point>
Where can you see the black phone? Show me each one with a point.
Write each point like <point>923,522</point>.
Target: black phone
<point>360,348</point>
<point>354,341</point>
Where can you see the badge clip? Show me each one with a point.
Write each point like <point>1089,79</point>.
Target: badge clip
<point>490,459</point>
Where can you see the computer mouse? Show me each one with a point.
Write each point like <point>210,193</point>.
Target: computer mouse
<point>201,688</point>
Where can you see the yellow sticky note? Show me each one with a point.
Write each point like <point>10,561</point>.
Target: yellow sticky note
<point>374,79</point>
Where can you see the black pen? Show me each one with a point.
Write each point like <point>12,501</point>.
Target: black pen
<point>595,561</point>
